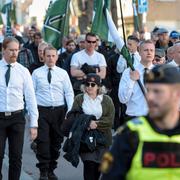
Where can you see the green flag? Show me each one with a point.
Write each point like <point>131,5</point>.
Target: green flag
<point>136,19</point>
<point>5,14</point>
<point>99,25</point>
<point>121,46</point>
<point>56,24</point>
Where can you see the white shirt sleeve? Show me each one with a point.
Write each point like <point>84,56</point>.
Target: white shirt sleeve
<point>74,60</point>
<point>121,64</point>
<point>30,100</point>
<point>68,91</point>
<point>102,62</point>
<point>126,86</point>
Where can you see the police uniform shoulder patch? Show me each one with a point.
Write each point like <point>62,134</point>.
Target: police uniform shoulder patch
<point>106,163</point>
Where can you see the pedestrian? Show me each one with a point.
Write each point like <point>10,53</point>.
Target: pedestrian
<point>176,55</point>
<point>53,91</point>
<point>16,86</point>
<point>94,102</point>
<point>132,45</point>
<point>148,147</point>
<point>160,56</point>
<point>87,61</point>
<point>129,91</point>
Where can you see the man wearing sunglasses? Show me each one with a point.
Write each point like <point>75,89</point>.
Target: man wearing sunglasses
<point>87,61</point>
<point>148,147</point>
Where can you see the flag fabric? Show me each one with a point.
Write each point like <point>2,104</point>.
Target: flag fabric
<point>99,25</point>
<point>118,39</point>
<point>135,15</point>
<point>56,24</point>
<point>5,14</point>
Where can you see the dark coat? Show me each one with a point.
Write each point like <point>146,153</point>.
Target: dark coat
<point>81,139</point>
<point>72,144</point>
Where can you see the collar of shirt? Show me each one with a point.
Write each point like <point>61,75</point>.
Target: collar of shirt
<point>4,62</point>
<point>141,67</point>
<point>98,97</point>
<point>135,53</point>
<point>47,68</point>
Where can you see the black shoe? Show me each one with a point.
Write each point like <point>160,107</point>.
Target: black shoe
<point>43,176</point>
<point>52,176</point>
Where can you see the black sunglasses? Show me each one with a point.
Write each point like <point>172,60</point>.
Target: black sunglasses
<point>93,42</point>
<point>90,84</point>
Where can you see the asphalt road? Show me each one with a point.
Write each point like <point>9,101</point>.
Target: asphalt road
<point>65,170</point>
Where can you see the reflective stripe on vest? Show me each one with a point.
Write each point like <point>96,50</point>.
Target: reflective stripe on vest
<point>157,156</point>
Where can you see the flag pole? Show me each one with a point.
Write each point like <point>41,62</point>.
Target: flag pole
<point>130,65</point>
<point>122,19</point>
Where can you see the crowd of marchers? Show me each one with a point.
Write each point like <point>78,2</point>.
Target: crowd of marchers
<point>82,91</point>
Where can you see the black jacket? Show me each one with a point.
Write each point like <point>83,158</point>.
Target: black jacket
<point>81,139</point>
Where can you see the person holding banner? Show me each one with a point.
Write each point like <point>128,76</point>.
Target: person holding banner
<point>129,91</point>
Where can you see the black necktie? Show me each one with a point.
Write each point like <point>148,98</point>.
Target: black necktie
<point>132,56</point>
<point>49,75</point>
<point>145,71</point>
<point>7,75</point>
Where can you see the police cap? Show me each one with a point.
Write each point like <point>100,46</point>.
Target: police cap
<point>166,74</point>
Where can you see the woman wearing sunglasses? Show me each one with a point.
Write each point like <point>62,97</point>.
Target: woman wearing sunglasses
<point>93,102</point>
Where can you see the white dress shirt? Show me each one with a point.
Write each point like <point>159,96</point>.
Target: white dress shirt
<point>130,93</point>
<point>55,93</point>
<point>20,86</point>
<point>92,106</point>
<point>122,64</point>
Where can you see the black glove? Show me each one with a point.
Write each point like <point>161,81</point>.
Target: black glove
<point>88,69</point>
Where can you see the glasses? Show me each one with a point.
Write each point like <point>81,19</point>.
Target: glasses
<point>92,42</point>
<point>90,84</point>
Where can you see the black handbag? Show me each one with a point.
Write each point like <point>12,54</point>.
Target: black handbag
<point>92,140</point>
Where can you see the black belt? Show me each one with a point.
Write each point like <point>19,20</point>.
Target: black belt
<point>51,107</point>
<point>5,114</point>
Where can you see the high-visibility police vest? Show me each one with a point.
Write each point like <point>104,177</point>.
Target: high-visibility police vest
<point>157,156</point>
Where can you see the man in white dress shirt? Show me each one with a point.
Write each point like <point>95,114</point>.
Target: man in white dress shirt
<point>53,90</point>
<point>15,86</point>
<point>132,45</point>
<point>129,90</point>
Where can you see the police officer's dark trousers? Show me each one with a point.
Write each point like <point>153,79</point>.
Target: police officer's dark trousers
<point>12,128</point>
<point>49,137</point>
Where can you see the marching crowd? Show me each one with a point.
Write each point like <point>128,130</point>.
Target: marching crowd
<point>82,91</point>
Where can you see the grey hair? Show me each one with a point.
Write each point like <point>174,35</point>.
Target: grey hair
<point>101,90</point>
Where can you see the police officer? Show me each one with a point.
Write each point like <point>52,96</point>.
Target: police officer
<point>148,147</point>
<point>53,90</point>
<point>15,86</point>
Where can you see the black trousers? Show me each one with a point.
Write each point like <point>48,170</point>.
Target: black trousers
<point>91,170</point>
<point>49,137</point>
<point>12,128</point>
